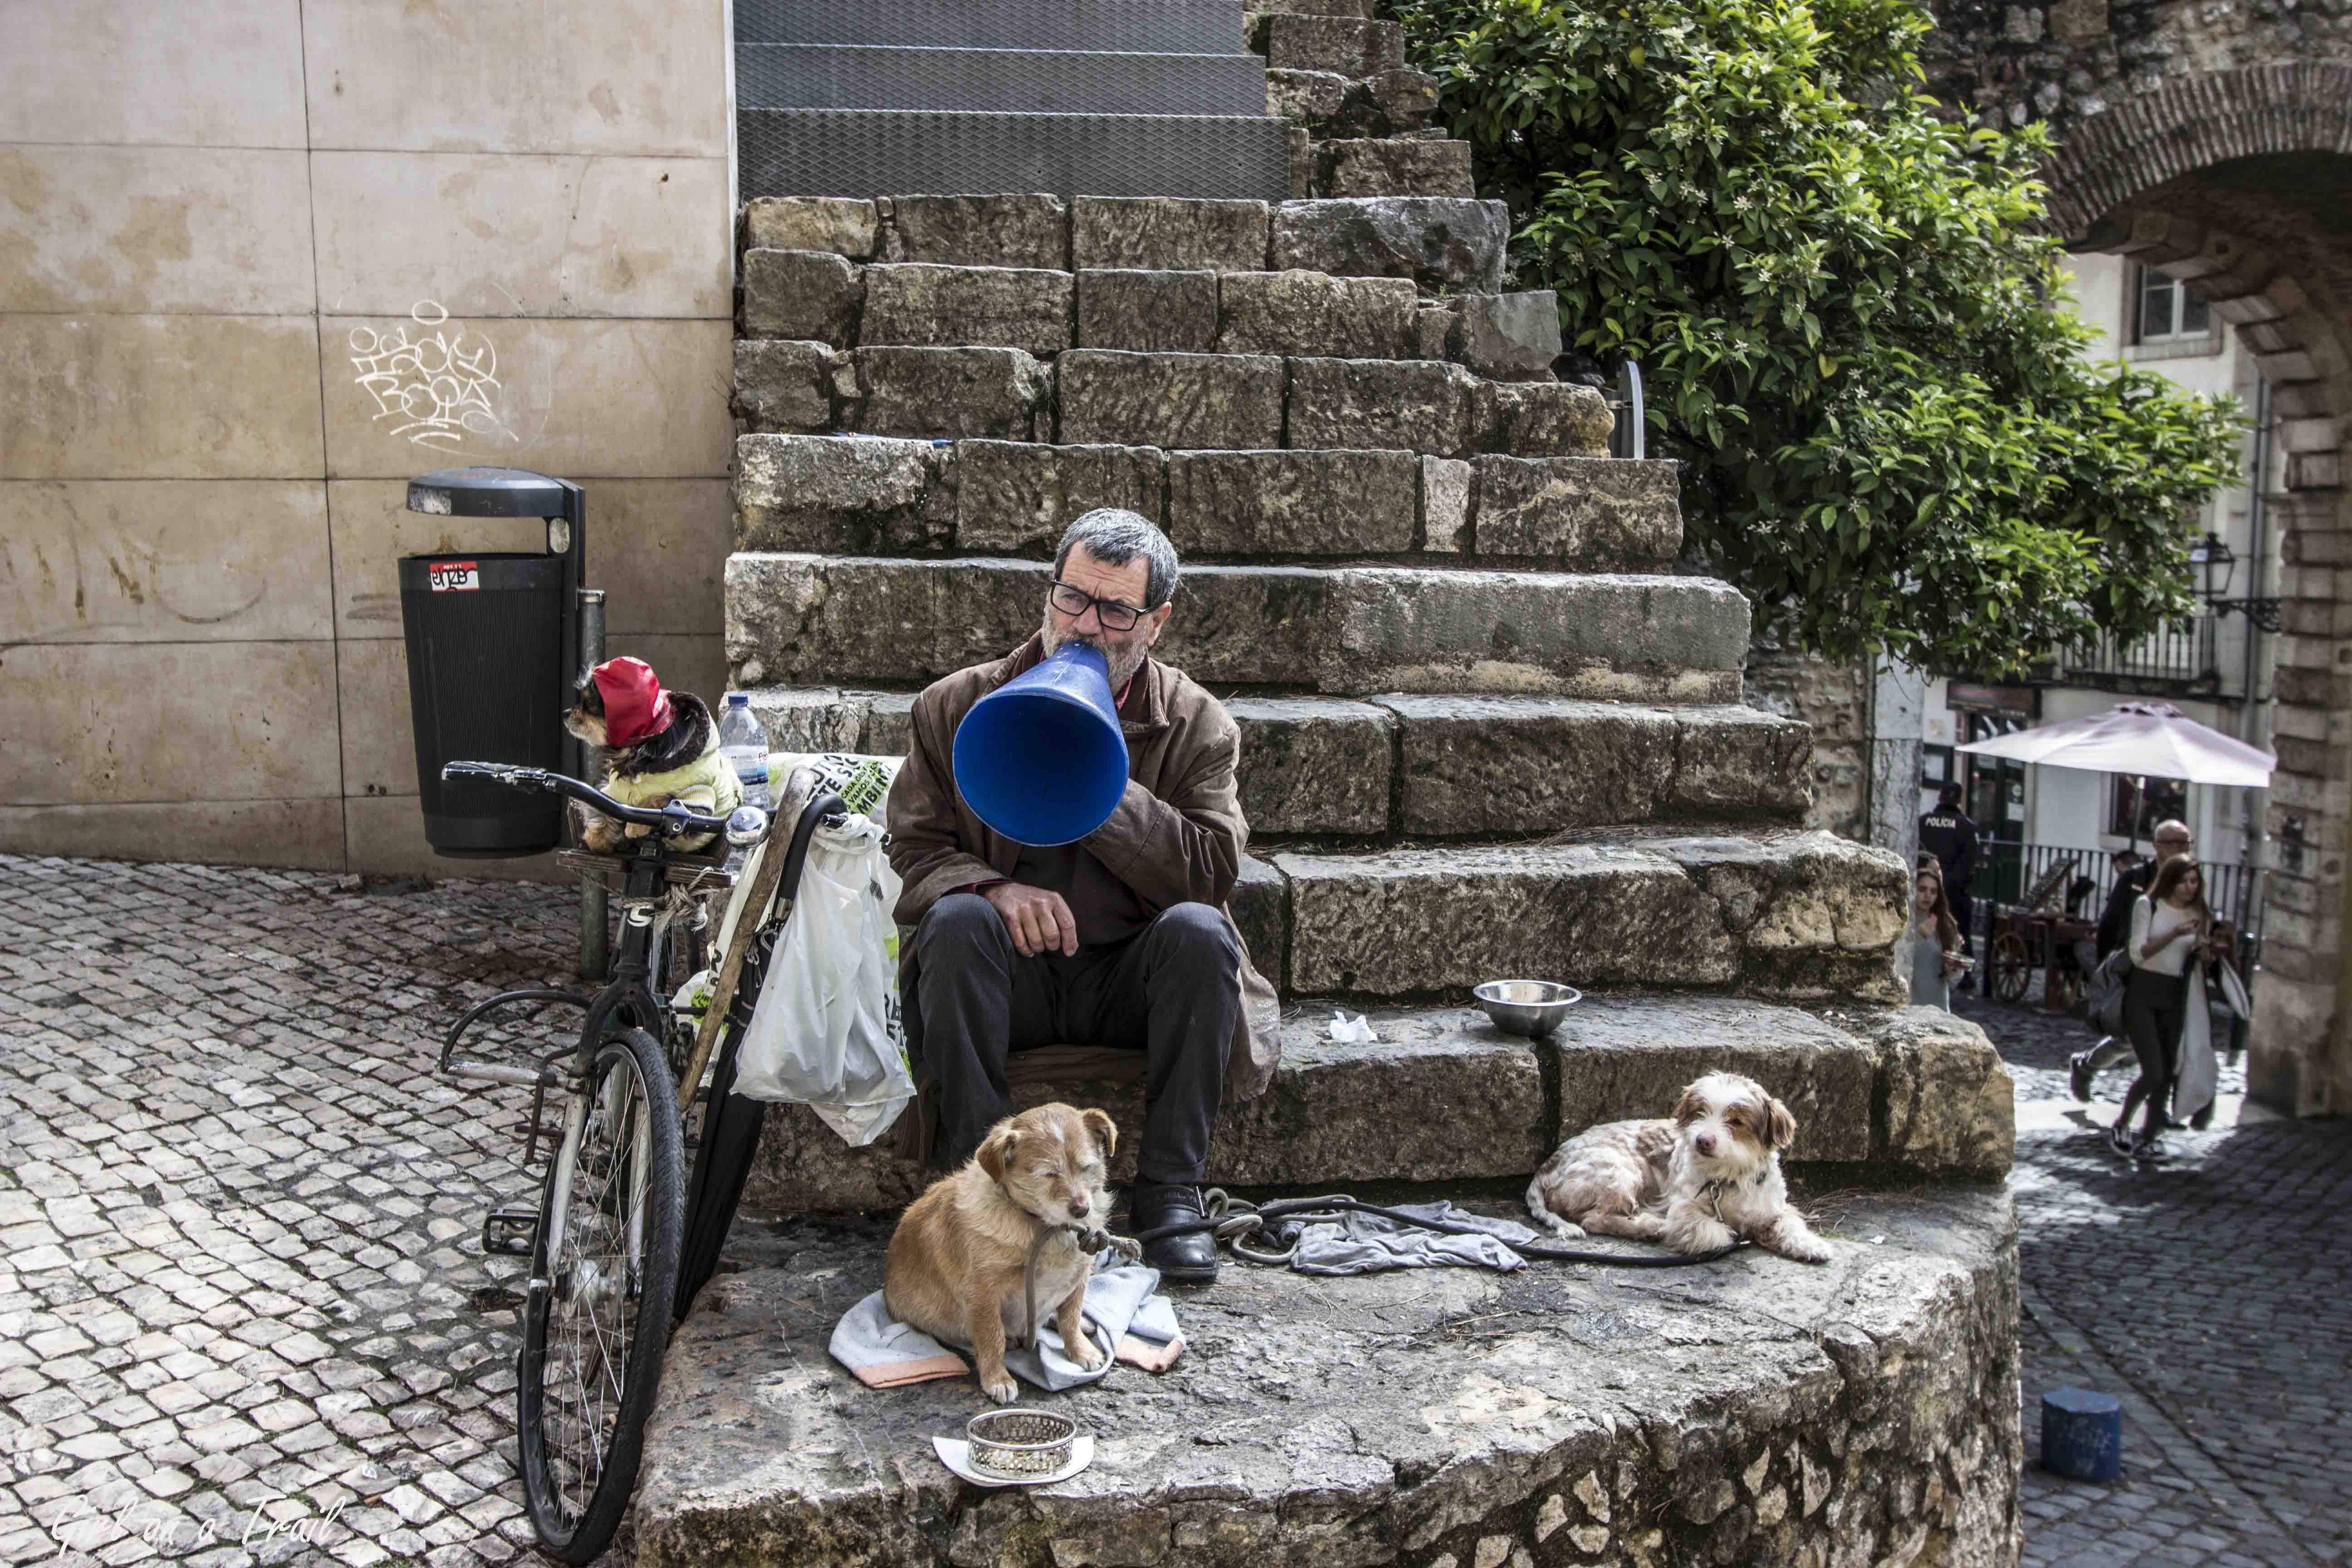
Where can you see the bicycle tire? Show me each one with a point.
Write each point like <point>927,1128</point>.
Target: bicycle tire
<point>573,1511</point>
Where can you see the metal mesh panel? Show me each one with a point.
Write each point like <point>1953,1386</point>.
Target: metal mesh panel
<point>1172,26</point>
<point>1062,81</point>
<point>881,153</point>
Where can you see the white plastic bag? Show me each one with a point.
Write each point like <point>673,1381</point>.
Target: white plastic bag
<point>825,1031</point>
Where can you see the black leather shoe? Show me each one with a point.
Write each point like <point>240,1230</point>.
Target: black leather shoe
<point>1188,1259</point>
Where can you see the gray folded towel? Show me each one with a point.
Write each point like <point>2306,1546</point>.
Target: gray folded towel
<point>1371,1243</point>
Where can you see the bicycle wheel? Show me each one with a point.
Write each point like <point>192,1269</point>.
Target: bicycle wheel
<point>594,1338</point>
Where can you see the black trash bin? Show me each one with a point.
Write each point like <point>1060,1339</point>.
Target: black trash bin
<point>486,683</point>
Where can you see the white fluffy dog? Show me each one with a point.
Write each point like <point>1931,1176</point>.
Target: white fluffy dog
<point>1694,1182</point>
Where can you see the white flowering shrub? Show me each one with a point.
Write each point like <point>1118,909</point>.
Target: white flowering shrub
<point>1853,325</point>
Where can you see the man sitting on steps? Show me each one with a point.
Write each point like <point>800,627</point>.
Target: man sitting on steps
<point>1120,940</point>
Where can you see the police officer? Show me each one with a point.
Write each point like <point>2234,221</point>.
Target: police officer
<point>1948,835</point>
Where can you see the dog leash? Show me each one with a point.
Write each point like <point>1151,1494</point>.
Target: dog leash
<point>1089,1242</point>
<point>1238,1223</point>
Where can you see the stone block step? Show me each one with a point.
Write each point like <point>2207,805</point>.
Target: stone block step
<point>1345,45</point>
<point>1795,916</point>
<point>884,495</point>
<point>1444,244</point>
<point>1433,767</point>
<point>1389,166</point>
<point>797,618</point>
<point>1180,27</point>
<point>817,295</point>
<point>1755,1411</point>
<point>1020,80</point>
<point>1027,230</point>
<point>1226,402</point>
<point>868,153</point>
<point>1443,1095</point>
<point>1332,104</point>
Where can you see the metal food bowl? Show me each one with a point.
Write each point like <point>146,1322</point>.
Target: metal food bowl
<point>1020,1442</point>
<point>1530,1007</point>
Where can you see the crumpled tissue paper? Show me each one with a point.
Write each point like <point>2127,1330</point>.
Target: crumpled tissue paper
<point>1354,1031</point>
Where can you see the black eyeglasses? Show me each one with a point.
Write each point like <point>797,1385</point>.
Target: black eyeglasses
<point>1074,602</point>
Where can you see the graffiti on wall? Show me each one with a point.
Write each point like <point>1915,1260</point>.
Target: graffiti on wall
<point>435,384</point>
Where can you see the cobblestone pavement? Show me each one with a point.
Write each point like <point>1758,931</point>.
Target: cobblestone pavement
<point>243,1301</point>
<point>2209,1292</point>
<point>244,1316</point>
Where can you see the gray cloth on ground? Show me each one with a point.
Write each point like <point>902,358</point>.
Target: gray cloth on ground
<point>1371,1243</point>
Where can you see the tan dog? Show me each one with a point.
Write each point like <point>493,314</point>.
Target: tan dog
<point>1711,1172</point>
<point>957,1261</point>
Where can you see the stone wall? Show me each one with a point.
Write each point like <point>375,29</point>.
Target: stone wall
<point>219,222</point>
<point>1835,698</point>
<point>1759,1412</point>
<point>2071,61</point>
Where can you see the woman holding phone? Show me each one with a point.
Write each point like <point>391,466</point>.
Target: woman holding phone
<point>1935,938</point>
<point>2171,928</point>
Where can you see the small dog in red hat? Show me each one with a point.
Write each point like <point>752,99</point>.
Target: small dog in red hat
<point>657,746</point>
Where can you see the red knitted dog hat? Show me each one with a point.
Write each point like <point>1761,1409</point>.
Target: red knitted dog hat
<point>635,705</point>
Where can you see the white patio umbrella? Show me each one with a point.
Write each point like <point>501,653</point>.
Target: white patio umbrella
<point>2152,739</point>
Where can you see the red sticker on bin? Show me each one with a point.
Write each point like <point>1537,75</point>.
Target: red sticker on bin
<point>452,576</point>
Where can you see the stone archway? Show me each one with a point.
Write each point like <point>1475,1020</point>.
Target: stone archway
<point>2240,181</point>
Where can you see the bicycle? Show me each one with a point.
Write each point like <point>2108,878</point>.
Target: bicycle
<point>606,1235</point>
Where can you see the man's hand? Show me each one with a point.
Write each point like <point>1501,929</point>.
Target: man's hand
<point>1038,918</point>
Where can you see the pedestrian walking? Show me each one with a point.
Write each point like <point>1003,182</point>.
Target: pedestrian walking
<point>1936,954</point>
<point>2132,882</point>
<point>2164,1001</point>
<point>1948,835</point>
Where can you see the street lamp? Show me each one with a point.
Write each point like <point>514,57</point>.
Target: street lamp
<point>2217,564</point>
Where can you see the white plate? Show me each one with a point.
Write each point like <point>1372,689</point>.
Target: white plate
<point>955,1453</point>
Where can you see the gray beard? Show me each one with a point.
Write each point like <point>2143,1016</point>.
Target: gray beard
<point>1124,662</point>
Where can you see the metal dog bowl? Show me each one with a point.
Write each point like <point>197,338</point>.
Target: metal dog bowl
<point>1530,1007</point>
<point>1020,1442</point>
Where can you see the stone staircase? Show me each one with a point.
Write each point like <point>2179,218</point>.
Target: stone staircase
<point>1488,728</point>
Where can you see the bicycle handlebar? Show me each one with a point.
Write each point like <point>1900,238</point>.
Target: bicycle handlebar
<point>671,821</point>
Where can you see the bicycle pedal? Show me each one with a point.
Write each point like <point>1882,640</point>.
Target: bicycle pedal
<point>510,1229</point>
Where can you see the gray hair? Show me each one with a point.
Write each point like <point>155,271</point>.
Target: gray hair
<point>1114,537</point>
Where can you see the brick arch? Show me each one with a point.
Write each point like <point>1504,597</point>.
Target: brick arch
<point>2141,180</point>
<point>2186,123</point>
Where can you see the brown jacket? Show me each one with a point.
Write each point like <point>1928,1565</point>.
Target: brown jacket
<point>1177,836</point>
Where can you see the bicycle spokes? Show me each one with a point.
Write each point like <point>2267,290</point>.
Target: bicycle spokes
<point>596,1277</point>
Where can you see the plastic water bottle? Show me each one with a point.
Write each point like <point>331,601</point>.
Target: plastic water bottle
<point>743,741</point>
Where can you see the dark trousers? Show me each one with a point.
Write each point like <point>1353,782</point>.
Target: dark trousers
<point>2156,1011</point>
<point>1173,991</point>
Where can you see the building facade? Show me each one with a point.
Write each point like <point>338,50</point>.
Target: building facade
<point>2217,667</point>
<point>260,262</point>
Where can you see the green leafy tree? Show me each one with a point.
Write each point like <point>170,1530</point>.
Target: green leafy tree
<point>1853,328</point>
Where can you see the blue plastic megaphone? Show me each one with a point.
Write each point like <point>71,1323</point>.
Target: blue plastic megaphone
<point>1041,759</point>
